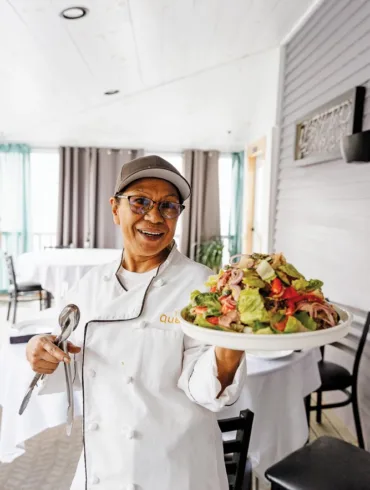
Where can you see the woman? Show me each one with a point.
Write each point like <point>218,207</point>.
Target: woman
<point>148,390</point>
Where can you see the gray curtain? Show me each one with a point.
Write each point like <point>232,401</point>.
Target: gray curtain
<point>87,178</point>
<point>201,219</point>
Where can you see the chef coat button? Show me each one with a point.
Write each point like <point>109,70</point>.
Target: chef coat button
<point>142,324</point>
<point>159,283</point>
<point>106,278</point>
<point>130,486</point>
<point>129,433</point>
<point>93,426</point>
<point>92,373</point>
<point>95,480</point>
<point>129,379</point>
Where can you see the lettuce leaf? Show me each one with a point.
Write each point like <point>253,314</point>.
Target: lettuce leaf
<point>265,271</point>
<point>193,295</point>
<point>210,300</point>
<point>212,281</point>
<point>252,279</point>
<point>202,322</point>
<point>251,307</point>
<point>306,320</point>
<point>303,285</point>
<point>291,271</point>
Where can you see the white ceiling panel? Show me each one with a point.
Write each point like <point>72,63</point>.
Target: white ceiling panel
<point>188,71</point>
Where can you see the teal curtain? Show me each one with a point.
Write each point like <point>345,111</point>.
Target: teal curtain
<point>236,211</point>
<point>14,203</point>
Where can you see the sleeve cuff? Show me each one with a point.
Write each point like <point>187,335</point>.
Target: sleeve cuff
<point>204,385</point>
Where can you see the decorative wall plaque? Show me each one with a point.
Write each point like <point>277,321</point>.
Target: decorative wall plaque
<point>319,133</point>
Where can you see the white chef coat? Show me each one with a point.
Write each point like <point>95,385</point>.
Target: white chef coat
<point>149,392</point>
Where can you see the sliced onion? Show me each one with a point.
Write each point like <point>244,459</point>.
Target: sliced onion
<point>236,276</point>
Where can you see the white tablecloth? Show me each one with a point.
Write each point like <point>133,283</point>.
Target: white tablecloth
<point>41,413</point>
<point>274,392</point>
<point>57,270</point>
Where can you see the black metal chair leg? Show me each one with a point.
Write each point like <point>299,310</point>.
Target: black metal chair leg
<point>356,416</point>
<point>319,407</point>
<point>40,299</point>
<point>15,308</point>
<point>307,405</point>
<point>48,299</point>
<point>9,308</point>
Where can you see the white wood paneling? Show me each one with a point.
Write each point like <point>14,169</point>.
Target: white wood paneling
<point>323,211</point>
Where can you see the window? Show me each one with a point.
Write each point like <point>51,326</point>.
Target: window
<point>225,187</point>
<point>44,188</point>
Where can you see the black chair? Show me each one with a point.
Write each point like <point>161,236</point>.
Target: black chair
<point>23,290</point>
<point>326,464</point>
<point>335,377</point>
<point>238,467</point>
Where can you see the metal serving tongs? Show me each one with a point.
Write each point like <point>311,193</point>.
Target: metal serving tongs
<point>68,321</point>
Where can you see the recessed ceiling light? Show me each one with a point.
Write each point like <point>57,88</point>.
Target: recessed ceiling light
<point>111,92</point>
<point>73,13</point>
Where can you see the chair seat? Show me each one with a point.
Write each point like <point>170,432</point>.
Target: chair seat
<point>326,464</point>
<point>334,376</point>
<point>26,287</point>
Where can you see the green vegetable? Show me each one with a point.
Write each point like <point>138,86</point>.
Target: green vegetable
<point>277,317</point>
<point>265,271</point>
<point>212,311</point>
<point>259,325</point>
<point>282,276</point>
<point>207,299</point>
<point>185,313</point>
<point>252,279</point>
<point>306,320</point>
<point>292,325</point>
<point>212,281</point>
<point>202,322</point>
<point>303,285</point>
<point>251,307</point>
<point>264,331</point>
<point>193,295</point>
<point>291,271</point>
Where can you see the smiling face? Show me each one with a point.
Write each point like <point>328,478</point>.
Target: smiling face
<point>149,234</point>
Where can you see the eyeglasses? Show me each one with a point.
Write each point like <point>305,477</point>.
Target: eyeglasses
<point>142,205</point>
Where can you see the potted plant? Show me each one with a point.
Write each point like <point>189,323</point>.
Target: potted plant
<point>209,253</point>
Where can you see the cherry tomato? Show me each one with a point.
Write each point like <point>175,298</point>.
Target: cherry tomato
<point>213,289</point>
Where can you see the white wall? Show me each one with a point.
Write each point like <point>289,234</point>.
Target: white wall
<point>263,120</point>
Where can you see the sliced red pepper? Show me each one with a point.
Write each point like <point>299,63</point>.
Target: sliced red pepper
<point>213,289</point>
<point>199,310</point>
<point>281,325</point>
<point>291,307</point>
<point>213,319</point>
<point>276,286</point>
<point>291,293</point>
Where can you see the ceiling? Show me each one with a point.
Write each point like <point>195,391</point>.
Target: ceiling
<point>190,72</point>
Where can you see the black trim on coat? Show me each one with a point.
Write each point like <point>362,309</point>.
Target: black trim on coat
<point>83,360</point>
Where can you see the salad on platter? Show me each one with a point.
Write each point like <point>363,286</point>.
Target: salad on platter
<point>261,294</point>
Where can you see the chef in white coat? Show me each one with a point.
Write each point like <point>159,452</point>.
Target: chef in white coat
<point>150,393</point>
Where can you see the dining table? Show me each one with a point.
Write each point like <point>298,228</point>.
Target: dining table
<point>274,391</point>
<point>58,269</point>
